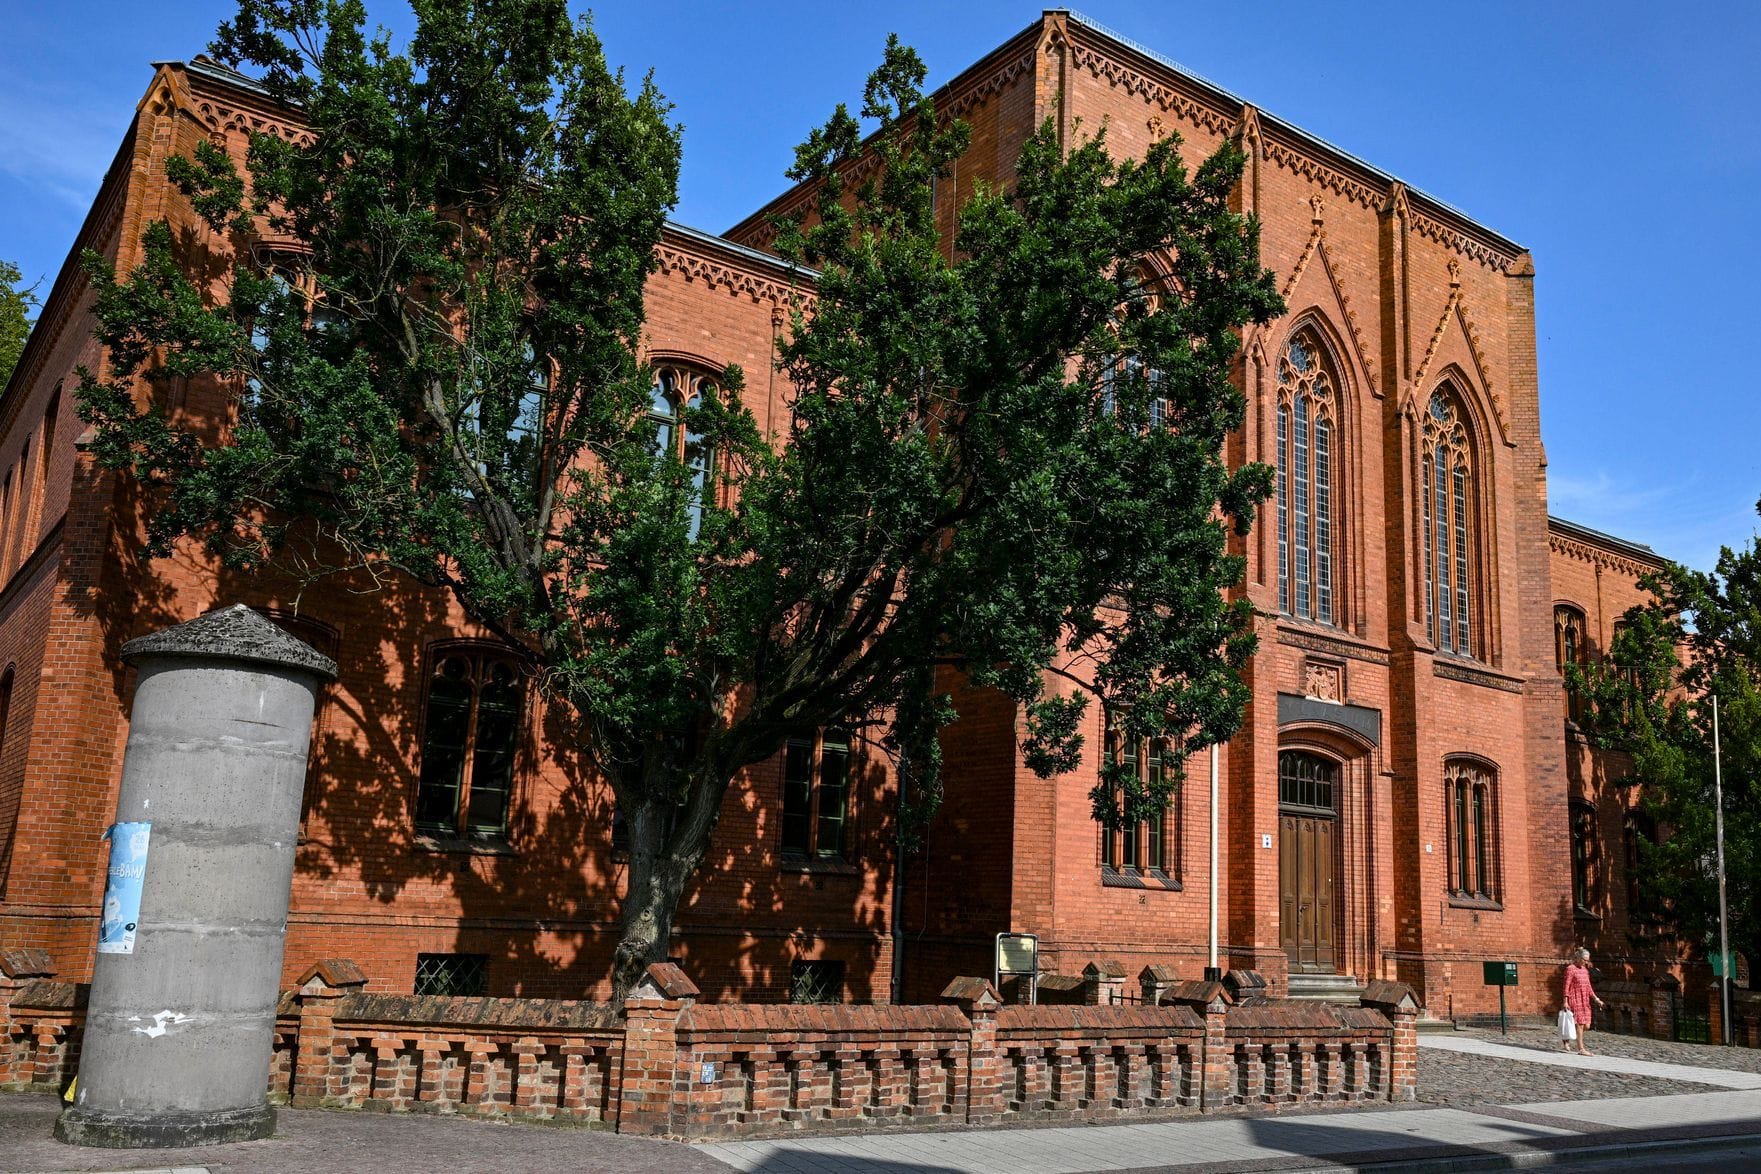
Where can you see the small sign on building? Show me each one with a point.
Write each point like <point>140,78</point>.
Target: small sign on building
<point>1018,957</point>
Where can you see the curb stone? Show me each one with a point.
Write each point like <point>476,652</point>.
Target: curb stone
<point>1467,1163</point>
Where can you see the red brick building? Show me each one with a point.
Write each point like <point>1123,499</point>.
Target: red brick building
<point>1397,805</point>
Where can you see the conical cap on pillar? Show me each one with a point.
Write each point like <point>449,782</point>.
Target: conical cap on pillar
<point>233,633</point>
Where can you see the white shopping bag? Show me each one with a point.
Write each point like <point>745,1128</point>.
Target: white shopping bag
<point>1568,1026</point>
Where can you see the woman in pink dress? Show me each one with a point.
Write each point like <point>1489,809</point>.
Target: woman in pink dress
<point>1579,995</point>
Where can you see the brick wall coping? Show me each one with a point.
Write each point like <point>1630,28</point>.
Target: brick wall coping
<point>831,1018</point>
<point>1306,1018</point>
<point>26,962</point>
<point>46,994</point>
<point>449,1010</point>
<point>1129,1017</point>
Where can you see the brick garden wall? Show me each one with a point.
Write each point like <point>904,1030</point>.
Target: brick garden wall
<point>667,1065</point>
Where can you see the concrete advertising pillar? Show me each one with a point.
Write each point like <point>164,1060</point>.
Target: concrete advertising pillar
<point>181,1021</point>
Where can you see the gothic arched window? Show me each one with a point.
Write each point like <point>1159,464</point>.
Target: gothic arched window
<point>1568,648</point>
<point>1448,490</point>
<point>674,391</point>
<point>1470,814</point>
<point>1307,457</point>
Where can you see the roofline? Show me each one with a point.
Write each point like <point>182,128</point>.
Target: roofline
<point>1208,88</point>
<point>71,274</point>
<point>208,67</point>
<point>1582,533</point>
<point>214,71</point>
<point>743,252</point>
<point>1269,119</point>
<point>1012,43</point>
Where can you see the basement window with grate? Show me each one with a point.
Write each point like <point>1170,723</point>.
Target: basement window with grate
<point>452,974</point>
<point>816,982</point>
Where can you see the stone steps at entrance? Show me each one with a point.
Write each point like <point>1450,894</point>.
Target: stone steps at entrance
<point>1325,988</point>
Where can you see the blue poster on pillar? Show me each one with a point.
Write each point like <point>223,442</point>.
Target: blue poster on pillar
<point>122,895</point>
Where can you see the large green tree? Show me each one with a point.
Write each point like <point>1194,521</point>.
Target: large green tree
<point>1005,463</point>
<point>1698,639</point>
<point>16,303</point>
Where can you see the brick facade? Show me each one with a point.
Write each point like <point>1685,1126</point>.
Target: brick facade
<point>1400,296</point>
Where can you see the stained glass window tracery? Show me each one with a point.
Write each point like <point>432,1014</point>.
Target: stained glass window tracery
<point>1307,531</point>
<point>1448,491</point>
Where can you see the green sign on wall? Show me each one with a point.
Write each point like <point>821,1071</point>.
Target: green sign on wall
<point>1500,973</point>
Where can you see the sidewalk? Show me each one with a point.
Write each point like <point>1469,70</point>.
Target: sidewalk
<point>1490,1136</point>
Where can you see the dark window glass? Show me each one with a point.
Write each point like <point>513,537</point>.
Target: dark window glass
<point>1637,831</point>
<point>1306,780</point>
<point>816,794</point>
<point>834,792</point>
<point>471,732</point>
<point>1149,843</point>
<point>798,796</point>
<point>1155,838</point>
<point>1584,851</point>
<point>1470,802</point>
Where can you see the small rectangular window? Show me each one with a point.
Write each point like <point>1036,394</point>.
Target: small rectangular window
<point>816,794</point>
<point>452,974</point>
<point>816,982</point>
<point>471,729</point>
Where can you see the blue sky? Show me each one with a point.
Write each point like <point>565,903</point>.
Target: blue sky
<point>1618,141</point>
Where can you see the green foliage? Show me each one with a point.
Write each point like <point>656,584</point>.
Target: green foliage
<point>1652,698</point>
<point>971,480</point>
<point>989,485</point>
<point>16,302</point>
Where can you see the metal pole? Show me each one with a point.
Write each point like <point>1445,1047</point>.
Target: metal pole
<point>1724,974</point>
<point>1213,966</point>
<point>1503,1023</point>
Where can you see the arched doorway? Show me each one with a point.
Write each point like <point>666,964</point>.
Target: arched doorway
<point>1308,860</point>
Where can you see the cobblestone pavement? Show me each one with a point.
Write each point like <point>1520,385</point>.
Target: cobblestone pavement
<point>325,1142</point>
<point>1636,1047</point>
<point>1459,1078</point>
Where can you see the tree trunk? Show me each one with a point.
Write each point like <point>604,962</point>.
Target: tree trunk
<point>665,850</point>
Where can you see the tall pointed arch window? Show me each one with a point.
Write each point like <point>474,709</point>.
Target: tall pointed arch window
<point>1470,814</point>
<point>675,390</point>
<point>1568,649</point>
<point>1307,462</point>
<point>1449,494</point>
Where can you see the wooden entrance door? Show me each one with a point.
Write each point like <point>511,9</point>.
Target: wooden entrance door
<point>1306,823</point>
<point>1305,891</point>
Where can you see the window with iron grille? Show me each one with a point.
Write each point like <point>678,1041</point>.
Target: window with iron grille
<point>452,974</point>
<point>1306,781</point>
<point>816,982</point>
